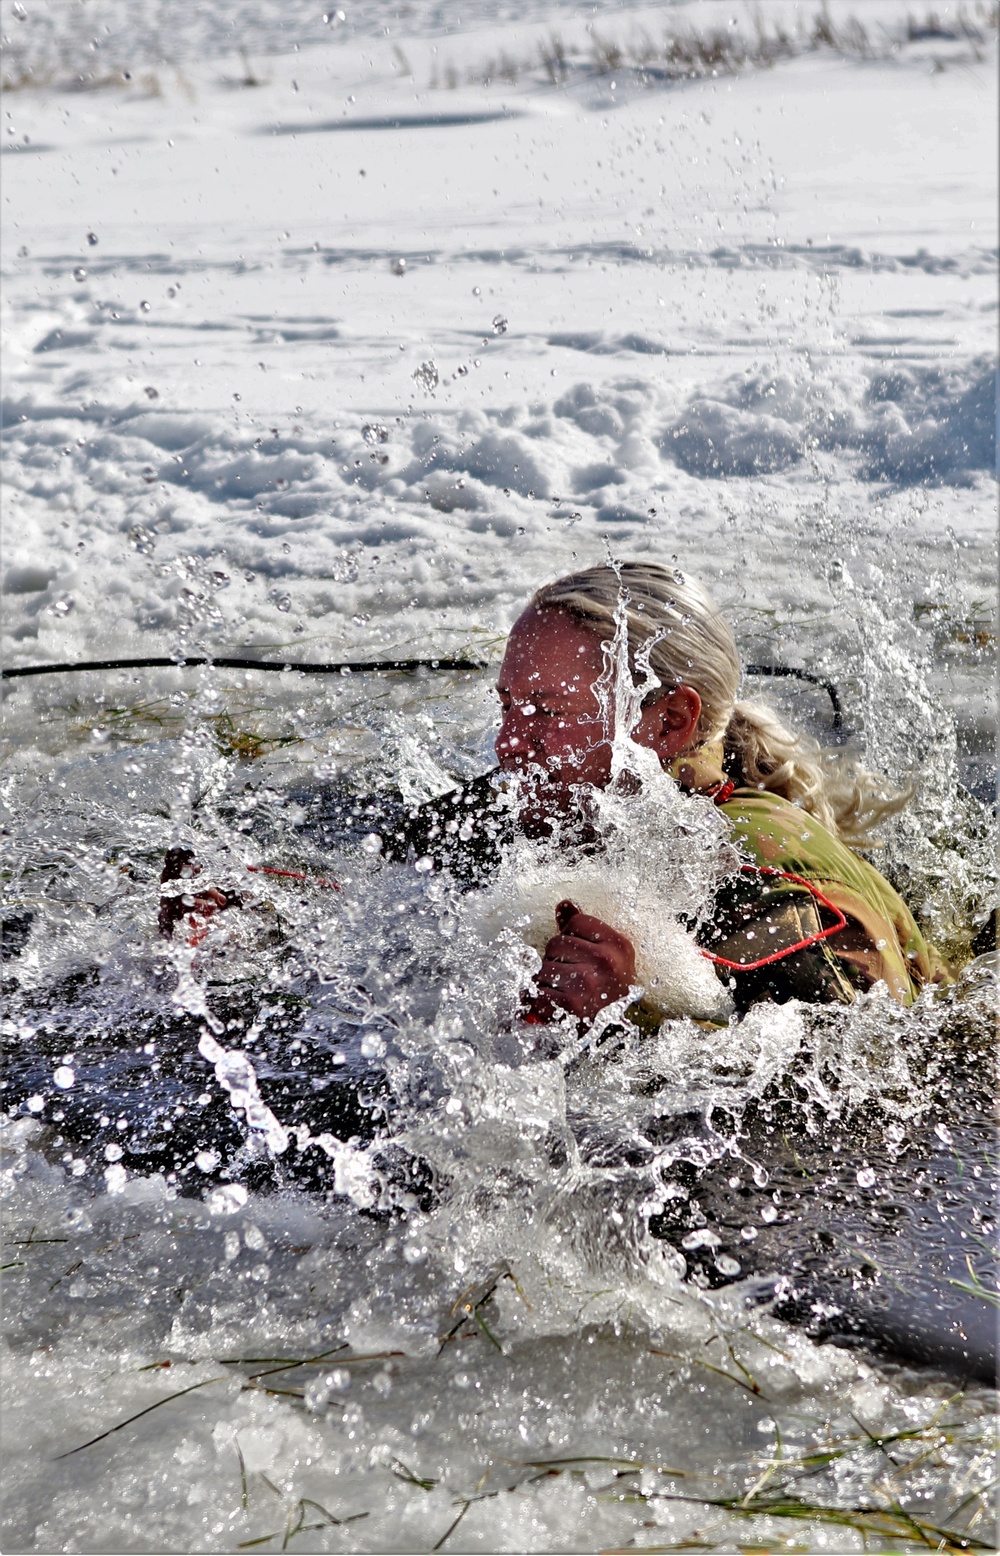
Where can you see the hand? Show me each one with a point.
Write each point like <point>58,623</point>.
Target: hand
<point>586,967</point>
<point>196,906</point>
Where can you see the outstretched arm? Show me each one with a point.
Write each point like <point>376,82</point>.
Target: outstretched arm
<point>197,906</point>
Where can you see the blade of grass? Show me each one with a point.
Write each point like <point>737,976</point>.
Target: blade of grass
<point>753,1389</point>
<point>405,1473</point>
<point>452,1526</point>
<point>769,1470</point>
<point>480,1320</point>
<point>244,1488</point>
<point>178,1394</point>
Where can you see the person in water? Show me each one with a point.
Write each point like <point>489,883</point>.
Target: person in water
<point>808,916</point>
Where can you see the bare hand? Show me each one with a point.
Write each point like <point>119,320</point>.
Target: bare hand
<point>197,906</point>
<point>586,967</point>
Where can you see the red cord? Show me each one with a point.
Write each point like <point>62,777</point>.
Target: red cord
<point>294,875</point>
<point>801,945</point>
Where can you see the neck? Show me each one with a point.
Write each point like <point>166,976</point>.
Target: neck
<point>700,770</point>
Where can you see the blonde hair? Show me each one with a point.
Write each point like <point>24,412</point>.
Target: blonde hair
<point>676,630</point>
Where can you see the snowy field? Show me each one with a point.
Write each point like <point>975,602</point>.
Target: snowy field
<point>334,337</point>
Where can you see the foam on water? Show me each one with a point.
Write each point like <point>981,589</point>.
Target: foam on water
<point>537,1358</point>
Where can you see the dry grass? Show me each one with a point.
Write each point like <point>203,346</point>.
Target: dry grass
<point>688,54</point>
<point>678,55</point>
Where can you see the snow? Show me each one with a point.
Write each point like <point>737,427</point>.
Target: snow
<point>747,322</point>
<point>695,295</point>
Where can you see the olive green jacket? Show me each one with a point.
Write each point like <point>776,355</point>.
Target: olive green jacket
<point>880,940</point>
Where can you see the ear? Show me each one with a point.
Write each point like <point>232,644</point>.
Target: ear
<point>682,709</point>
<point>670,724</point>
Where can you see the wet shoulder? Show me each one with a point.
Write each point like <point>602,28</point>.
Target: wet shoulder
<point>461,831</point>
<point>778,833</point>
<point>775,832</point>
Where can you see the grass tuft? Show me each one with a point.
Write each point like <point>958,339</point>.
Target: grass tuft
<point>685,54</point>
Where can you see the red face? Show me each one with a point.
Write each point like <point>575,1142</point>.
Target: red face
<point>552,727</point>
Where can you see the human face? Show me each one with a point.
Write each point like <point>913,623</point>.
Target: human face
<point>552,730</point>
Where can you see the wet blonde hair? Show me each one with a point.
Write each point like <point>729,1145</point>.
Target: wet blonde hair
<point>675,627</point>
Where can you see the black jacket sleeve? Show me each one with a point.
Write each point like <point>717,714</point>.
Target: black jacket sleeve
<point>462,831</point>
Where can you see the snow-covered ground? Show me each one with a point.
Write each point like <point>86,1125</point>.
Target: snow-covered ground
<point>680,318</point>
<point>346,362</point>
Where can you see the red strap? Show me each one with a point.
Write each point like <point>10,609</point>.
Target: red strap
<point>801,945</point>
<point>294,875</point>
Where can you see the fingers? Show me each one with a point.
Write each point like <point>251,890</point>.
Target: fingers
<point>196,907</point>
<point>583,926</point>
<point>586,967</point>
<point>612,952</point>
<point>578,989</point>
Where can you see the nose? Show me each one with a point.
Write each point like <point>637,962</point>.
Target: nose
<point>517,743</point>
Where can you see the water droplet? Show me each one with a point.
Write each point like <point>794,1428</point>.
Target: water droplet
<point>92,238</point>
<point>499,324</point>
<point>79,274</point>
<point>748,1233</point>
<point>398,266</point>
<point>944,1134</point>
<point>727,1265</point>
<point>375,432</point>
<point>227,1199</point>
<point>63,1077</point>
<point>144,306</point>
<point>35,1104</point>
<point>207,1161</point>
<point>151,393</point>
<point>768,1214</point>
<point>317,1395</point>
<point>113,1153</point>
<point>866,1177</point>
<point>426,375</point>
<point>115,1178</point>
<point>702,1237</point>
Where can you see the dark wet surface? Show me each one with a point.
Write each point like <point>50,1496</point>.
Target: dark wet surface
<point>862,1241</point>
<point>423,121</point>
<point>892,1262</point>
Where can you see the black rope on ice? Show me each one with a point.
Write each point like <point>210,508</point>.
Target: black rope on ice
<point>804,675</point>
<point>362,667</point>
<point>339,667</point>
